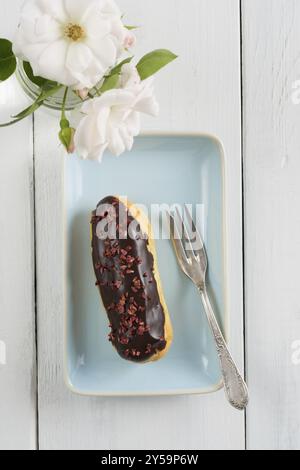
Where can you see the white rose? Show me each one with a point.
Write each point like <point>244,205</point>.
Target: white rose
<point>113,120</point>
<point>73,42</point>
<point>143,91</point>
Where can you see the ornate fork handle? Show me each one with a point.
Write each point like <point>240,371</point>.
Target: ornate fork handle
<point>235,387</point>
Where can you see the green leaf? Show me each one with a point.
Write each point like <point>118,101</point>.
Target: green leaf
<point>11,123</point>
<point>5,48</point>
<point>111,80</point>
<point>47,93</point>
<point>110,83</point>
<point>154,61</point>
<point>38,102</point>
<point>26,112</point>
<point>118,68</point>
<point>131,28</point>
<point>8,62</point>
<point>39,81</point>
<point>7,68</point>
<point>31,109</point>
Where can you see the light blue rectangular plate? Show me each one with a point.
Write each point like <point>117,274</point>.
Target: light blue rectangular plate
<point>160,169</point>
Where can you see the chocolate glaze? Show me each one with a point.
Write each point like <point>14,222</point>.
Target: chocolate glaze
<point>124,270</point>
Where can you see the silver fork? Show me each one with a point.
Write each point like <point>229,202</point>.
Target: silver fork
<point>194,264</point>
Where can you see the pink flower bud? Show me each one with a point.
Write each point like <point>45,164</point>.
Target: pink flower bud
<point>130,40</point>
<point>71,147</point>
<point>83,94</point>
<point>66,137</point>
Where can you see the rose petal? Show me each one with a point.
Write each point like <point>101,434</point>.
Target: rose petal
<point>148,105</point>
<point>88,140</point>
<point>88,106</point>
<point>88,78</point>
<point>18,44</point>
<point>78,9</point>
<point>97,154</point>
<point>56,54</point>
<point>115,98</point>
<point>105,51</point>
<point>79,57</point>
<point>127,138</point>
<point>95,26</point>
<point>84,136</point>
<point>129,76</point>
<point>55,8</point>
<point>134,123</point>
<point>111,8</point>
<point>47,29</point>
<point>32,52</point>
<point>119,33</point>
<point>32,10</point>
<point>101,124</point>
<point>116,144</point>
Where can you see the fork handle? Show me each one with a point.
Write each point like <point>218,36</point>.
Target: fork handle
<point>235,386</point>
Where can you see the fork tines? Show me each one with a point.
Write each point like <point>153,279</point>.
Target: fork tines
<point>184,230</point>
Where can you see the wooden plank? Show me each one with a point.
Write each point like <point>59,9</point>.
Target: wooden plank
<point>271,50</point>
<point>193,98</point>
<point>17,322</point>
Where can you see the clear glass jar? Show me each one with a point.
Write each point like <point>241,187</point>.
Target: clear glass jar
<point>53,102</point>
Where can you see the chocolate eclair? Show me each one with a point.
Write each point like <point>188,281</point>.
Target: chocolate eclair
<point>125,264</point>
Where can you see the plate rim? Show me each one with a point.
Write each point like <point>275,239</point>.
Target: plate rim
<point>226,321</point>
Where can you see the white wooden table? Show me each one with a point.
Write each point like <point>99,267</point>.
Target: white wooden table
<point>238,64</point>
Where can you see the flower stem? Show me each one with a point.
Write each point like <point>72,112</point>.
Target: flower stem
<point>63,109</point>
<point>35,105</point>
<point>98,92</point>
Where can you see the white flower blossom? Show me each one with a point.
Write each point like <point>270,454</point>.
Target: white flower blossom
<point>72,42</point>
<point>112,120</point>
